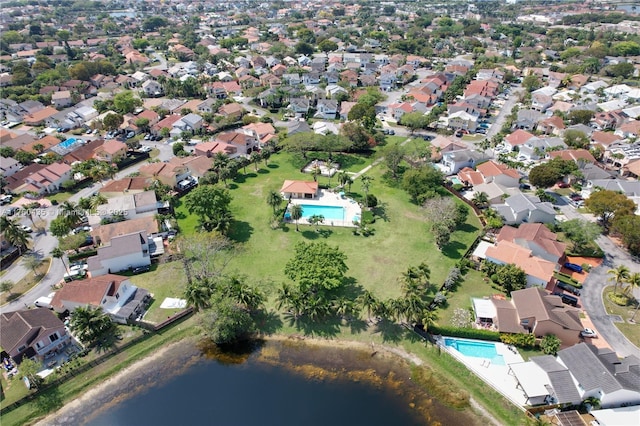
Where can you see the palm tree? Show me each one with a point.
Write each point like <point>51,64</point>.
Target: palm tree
<point>71,212</point>
<point>287,298</point>
<point>198,295</point>
<point>32,261</point>
<point>480,199</point>
<point>316,219</point>
<point>342,178</point>
<point>427,319</point>
<point>220,161</point>
<point>255,158</point>
<point>619,275</point>
<point>633,281</point>
<point>243,162</point>
<point>266,154</point>
<point>274,199</point>
<point>14,234</point>
<point>315,171</point>
<point>366,184</point>
<point>89,324</point>
<point>296,213</point>
<point>244,294</point>
<point>58,253</point>
<point>367,301</point>
<point>97,200</point>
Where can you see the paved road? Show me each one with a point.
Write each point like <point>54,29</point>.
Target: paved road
<point>591,296</point>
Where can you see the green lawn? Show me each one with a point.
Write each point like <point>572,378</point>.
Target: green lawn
<point>164,280</point>
<point>630,330</point>
<point>402,237</point>
<point>473,285</point>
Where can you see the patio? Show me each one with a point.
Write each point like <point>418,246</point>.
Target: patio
<point>351,209</point>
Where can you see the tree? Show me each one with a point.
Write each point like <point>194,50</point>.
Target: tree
<point>619,275</point>
<point>30,369</point>
<point>628,227</point>
<point>511,277</point>
<point>327,45</point>
<point>422,183</point>
<point>226,322</point>
<point>316,267</point>
<point>550,344</point>
<point>316,219</point>
<point>90,325</point>
<point>32,261</point>
<point>57,253</point>
<point>125,102</point>
<point>296,214</point>
<point>274,199</point>
<point>393,156</point>
<point>112,121</point>
<point>634,282</point>
<point>609,204</point>
<point>238,290</point>
<point>255,158</point>
<point>581,116</point>
<point>480,199</point>
<point>414,120</point>
<point>441,233</point>
<point>576,139</point>
<point>580,232</point>
<point>367,301</point>
<point>211,205</point>
<point>6,286</point>
<point>444,214</point>
<point>622,69</point>
<point>531,82</point>
<point>14,234</point>
<point>547,174</point>
<point>304,48</point>
<point>198,294</point>
<point>366,184</point>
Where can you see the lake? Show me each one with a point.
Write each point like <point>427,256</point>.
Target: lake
<point>277,383</point>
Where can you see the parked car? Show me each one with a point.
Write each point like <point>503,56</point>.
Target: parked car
<point>567,298</point>
<point>141,269</point>
<point>44,301</point>
<point>5,199</point>
<point>587,332</point>
<point>563,185</point>
<point>573,267</point>
<point>145,149</point>
<point>569,288</point>
<point>26,228</point>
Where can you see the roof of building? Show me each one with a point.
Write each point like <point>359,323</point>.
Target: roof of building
<point>588,370</point>
<point>492,168</point>
<point>15,326</point>
<point>508,252</point>
<point>560,378</point>
<point>535,302</point>
<point>535,232</point>
<point>127,184</point>
<point>145,225</point>
<point>518,137</point>
<point>299,186</point>
<point>87,292</point>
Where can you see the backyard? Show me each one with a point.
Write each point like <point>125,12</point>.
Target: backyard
<point>401,234</point>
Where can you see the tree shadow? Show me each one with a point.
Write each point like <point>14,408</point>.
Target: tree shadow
<point>390,331</point>
<point>180,215</point>
<point>310,234</point>
<point>325,232</point>
<point>268,322</point>
<point>381,211</point>
<point>357,325</point>
<point>240,178</point>
<point>273,166</point>
<point>263,172</point>
<point>325,327</point>
<point>49,400</point>
<point>108,341</point>
<point>467,227</point>
<point>454,250</point>
<point>232,186</point>
<point>241,231</point>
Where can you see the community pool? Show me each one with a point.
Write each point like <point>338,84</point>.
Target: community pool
<point>475,349</point>
<point>68,142</point>
<point>328,212</point>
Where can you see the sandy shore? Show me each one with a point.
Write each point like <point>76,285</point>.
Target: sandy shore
<point>145,373</point>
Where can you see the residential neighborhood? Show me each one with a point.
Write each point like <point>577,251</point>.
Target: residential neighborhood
<point>466,174</point>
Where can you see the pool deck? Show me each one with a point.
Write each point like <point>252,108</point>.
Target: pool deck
<point>333,199</point>
<point>497,376</point>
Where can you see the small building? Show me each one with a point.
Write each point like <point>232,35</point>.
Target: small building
<point>124,252</point>
<point>299,189</point>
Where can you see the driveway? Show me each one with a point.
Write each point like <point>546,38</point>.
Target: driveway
<point>591,296</point>
<point>504,112</point>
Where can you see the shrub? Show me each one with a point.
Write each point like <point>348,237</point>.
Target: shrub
<point>458,187</point>
<point>468,333</point>
<point>519,339</point>
<point>618,298</point>
<point>372,200</point>
<point>439,299</point>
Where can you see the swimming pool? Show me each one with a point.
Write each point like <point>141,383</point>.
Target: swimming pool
<point>68,142</point>
<point>329,212</point>
<point>475,349</point>
<point>456,181</point>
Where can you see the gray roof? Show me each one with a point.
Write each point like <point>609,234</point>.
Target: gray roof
<point>627,187</point>
<point>626,370</point>
<point>521,202</point>
<point>592,172</point>
<point>560,378</point>
<point>14,326</point>
<point>120,246</point>
<point>587,369</point>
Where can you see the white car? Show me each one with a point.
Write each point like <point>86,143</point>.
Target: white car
<point>587,332</point>
<point>26,228</point>
<point>145,149</point>
<point>83,267</point>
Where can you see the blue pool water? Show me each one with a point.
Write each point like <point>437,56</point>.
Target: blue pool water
<point>329,212</point>
<point>456,181</point>
<point>68,142</point>
<point>473,349</point>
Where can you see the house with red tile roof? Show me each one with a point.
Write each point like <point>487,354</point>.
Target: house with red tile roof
<point>499,173</point>
<point>553,125</point>
<point>130,185</point>
<point>167,173</point>
<point>38,118</point>
<point>536,237</point>
<point>39,179</point>
<point>115,294</point>
<point>519,137</point>
<point>299,189</point>
<point>209,149</point>
<point>576,155</point>
<point>111,151</point>
<point>165,123</point>
<point>539,271</point>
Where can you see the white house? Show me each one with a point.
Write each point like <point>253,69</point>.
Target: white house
<point>525,208</point>
<point>129,206</point>
<point>454,161</point>
<point>462,120</point>
<point>124,252</point>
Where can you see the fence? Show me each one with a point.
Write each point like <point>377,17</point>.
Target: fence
<point>85,367</point>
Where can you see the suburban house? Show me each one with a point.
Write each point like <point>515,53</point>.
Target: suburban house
<point>124,252</point>
<point>519,137</point>
<point>520,208</point>
<point>115,294</point>
<point>601,374</point>
<point>531,310</point>
<point>499,173</point>
<point>462,120</point>
<point>46,179</point>
<point>167,173</point>
<point>127,206</point>
<point>9,166</point>
<point>209,149</point>
<point>146,225</point>
<point>539,271</point>
<point>132,185</point>
<point>61,99</point>
<point>244,142</point>
<point>299,189</point>
<point>536,237</point>
<point>111,151</point>
<point>31,333</point>
<point>327,109</point>
<point>453,162</point>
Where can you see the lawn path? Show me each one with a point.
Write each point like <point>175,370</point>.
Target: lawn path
<point>375,163</point>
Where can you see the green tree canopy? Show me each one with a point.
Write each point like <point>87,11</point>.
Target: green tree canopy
<point>211,204</point>
<point>226,322</point>
<point>580,232</point>
<point>606,204</point>
<point>576,139</point>
<point>125,102</point>
<point>316,267</point>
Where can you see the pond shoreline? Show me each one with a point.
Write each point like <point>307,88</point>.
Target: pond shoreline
<point>279,351</point>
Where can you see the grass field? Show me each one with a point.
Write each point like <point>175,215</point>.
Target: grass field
<point>630,330</point>
<point>401,239</point>
<point>26,283</point>
<point>164,280</point>
<point>473,285</point>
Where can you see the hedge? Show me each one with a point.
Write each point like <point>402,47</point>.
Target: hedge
<point>519,339</point>
<point>567,280</point>
<point>467,333</point>
<point>82,255</point>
